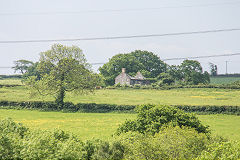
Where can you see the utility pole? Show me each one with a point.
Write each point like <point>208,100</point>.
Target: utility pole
<point>226,66</point>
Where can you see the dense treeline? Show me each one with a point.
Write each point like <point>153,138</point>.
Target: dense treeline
<point>158,132</point>
<point>148,63</point>
<point>106,108</point>
<point>10,76</point>
<point>234,85</point>
<point>151,66</point>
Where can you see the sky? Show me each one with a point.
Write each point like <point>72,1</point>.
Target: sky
<point>65,19</point>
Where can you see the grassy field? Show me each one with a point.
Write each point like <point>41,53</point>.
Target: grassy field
<point>11,82</point>
<point>223,80</point>
<point>187,96</point>
<point>103,125</point>
<point>84,125</point>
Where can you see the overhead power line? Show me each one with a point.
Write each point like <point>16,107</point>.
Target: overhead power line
<point>122,37</point>
<point>119,10</point>
<point>198,57</point>
<point>169,59</point>
<point>183,58</point>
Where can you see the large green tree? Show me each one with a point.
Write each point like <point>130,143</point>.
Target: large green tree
<point>63,69</point>
<point>189,72</point>
<point>213,69</point>
<point>22,65</point>
<point>146,62</point>
<point>151,62</point>
<point>193,73</point>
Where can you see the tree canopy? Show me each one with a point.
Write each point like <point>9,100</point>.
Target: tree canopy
<point>62,69</point>
<point>189,72</point>
<point>213,69</point>
<point>146,62</point>
<point>22,65</point>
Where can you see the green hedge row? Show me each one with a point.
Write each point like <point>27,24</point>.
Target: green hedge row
<point>10,76</point>
<point>211,109</point>
<point>68,107</point>
<point>105,108</point>
<point>9,85</point>
<point>168,87</point>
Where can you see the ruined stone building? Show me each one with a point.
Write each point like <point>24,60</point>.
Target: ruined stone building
<point>124,78</point>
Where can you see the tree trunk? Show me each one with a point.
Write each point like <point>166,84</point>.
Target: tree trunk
<point>61,94</point>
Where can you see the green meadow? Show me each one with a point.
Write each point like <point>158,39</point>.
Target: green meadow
<point>11,82</point>
<point>103,125</point>
<point>223,80</point>
<point>185,96</point>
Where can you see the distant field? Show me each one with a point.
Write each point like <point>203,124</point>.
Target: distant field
<point>213,80</point>
<point>186,96</point>
<point>10,82</point>
<point>223,80</point>
<point>103,125</point>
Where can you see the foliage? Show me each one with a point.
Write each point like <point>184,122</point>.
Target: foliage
<point>15,76</point>
<point>10,135</point>
<point>189,72</point>
<point>170,143</point>
<point>33,71</point>
<point>18,142</point>
<point>105,150</point>
<point>106,108</point>
<point>221,150</point>
<point>22,65</point>
<point>152,118</point>
<point>146,62</point>
<point>151,63</point>
<point>69,107</point>
<point>56,144</point>
<point>213,69</point>
<point>165,79</point>
<point>192,72</point>
<point>63,69</point>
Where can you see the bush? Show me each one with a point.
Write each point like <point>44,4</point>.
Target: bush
<point>171,143</point>
<point>151,119</point>
<point>118,85</point>
<point>221,150</point>
<point>11,134</point>
<point>18,142</point>
<point>51,145</point>
<point>137,86</point>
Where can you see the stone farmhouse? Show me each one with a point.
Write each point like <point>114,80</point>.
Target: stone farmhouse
<point>124,78</point>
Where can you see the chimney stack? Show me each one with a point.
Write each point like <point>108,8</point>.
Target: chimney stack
<point>123,70</point>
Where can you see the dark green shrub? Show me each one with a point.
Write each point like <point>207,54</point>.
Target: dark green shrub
<point>104,108</point>
<point>151,119</point>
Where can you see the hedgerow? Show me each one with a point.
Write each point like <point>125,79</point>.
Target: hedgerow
<point>105,108</point>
